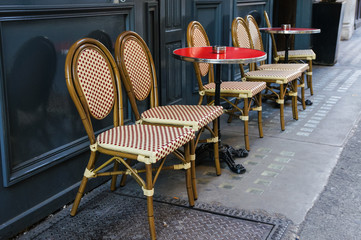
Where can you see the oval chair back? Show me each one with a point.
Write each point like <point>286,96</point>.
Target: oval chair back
<point>274,46</point>
<point>241,37</point>
<point>89,66</point>
<point>197,37</point>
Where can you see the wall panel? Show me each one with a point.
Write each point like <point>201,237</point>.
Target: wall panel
<point>44,147</point>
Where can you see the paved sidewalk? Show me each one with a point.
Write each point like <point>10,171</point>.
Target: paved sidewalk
<point>288,172</point>
<point>337,212</point>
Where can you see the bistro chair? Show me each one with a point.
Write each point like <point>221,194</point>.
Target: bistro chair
<point>139,78</point>
<point>92,78</point>
<point>249,92</point>
<point>255,38</point>
<point>285,81</point>
<point>298,55</point>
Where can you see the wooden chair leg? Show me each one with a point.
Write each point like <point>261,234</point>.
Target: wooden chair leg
<point>231,112</point>
<point>200,100</point>
<point>188,176</point>
<point>79,195</point>
<point>193,168</point>
<point>149,183</point>
<point>294,100</point>
<point>113,184</point>
<point>281,103</point>
<point>124,176</point>
<point>245,121</point>
<point>309,77</point>
<point>216,148</point>
<point>259,104</point>
<point>302,83</point>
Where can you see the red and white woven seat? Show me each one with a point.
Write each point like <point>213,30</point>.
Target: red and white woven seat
<point>151,143</point>
<point>285,67</point>
<point>307,54</point>
<point>195,116</point>
<point>244,89</point>
<point>276,76</point>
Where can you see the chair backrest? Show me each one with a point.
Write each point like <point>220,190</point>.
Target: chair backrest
<point>137,69</point>
<point>241,36</point>
<point>274,46</point>
<point>93,81</point>
<point>255,33</point>
<point>197,37</point>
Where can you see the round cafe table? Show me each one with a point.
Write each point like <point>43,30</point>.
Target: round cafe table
<point>232,55</point>
<point>288,32</point>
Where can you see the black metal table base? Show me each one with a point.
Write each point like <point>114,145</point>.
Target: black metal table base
<point>226,154</point>
<point>307,101</point>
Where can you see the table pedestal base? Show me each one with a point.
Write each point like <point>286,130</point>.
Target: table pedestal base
<point>226,154</point>
<point>308,102</point>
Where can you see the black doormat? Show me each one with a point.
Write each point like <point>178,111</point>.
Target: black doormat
<point>107,215</point>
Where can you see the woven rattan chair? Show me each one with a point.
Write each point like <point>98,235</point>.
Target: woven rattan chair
<point>254,39</point>
<point>249,92</point>
<point>93,82</point>
<point>285,80</point>
<point>139,78</point>
<point>298,55</point>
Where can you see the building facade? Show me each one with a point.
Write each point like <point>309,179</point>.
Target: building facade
<point>44,148</point>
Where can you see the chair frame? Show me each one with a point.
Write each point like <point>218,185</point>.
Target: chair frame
<point>255,67</point>
<point>119,49</point>
<point>283,88</point>
<point>248,101</point>
<point>117,158</point>
<point>293,58</point>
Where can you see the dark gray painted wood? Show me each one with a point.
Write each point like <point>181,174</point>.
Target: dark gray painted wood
<point>172,82</point>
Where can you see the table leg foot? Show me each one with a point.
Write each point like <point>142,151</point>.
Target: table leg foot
<point>308,102</point>
<point>226,154</point>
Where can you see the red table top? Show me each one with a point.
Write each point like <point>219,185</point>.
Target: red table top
<point>233,55</point>
<point>292,30</point>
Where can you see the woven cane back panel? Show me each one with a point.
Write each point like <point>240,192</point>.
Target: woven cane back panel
<point>199,40</point>
<point>96,82</point>
<point>256,38</point>
<point>242,36</point>
<point>138,68</point>
<point>151,141</point>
